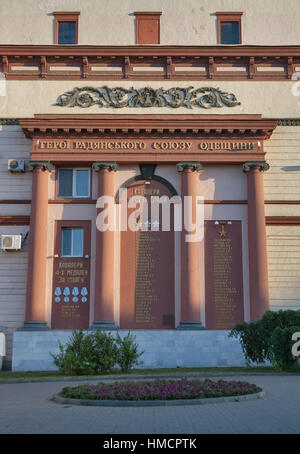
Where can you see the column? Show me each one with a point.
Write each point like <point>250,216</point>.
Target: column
<point>190,263</point>
<point>258,266</point>
<point>104,274</point>
<point>35,314</point>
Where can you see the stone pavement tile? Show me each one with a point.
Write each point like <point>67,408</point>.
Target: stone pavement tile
<point>26,409</point>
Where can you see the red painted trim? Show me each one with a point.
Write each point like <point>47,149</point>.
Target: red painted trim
<point>142,37</point>
<point>229,17</point>
<point>152,51</point>
<point>282,202</point>
<point>282,220</point>
<point>14,220</point>
<point>250,57</point>
<point>84,201</point>
<point>234,126</point>
<point>15,202</point>
<point>60,16</point>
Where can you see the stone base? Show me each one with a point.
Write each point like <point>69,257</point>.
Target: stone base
<point>190,325</point>
<point>34,326</point>
<point>162,348</point>
<point>104,326</point>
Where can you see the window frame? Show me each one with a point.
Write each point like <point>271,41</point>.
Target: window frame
<point>153,16</point>
<point>60,16</point>
<point>68,197</point>
<point>229,17</point>
<point>72,242</point>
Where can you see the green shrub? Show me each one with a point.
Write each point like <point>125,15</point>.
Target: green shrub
<point>75,356</point>
<point>281,347</point>
<point>269,339</point>
<point>128,354</point>
<point>96,352</point>
<point>104,351</point>
<point>86,353</point>
<point>252,341</point>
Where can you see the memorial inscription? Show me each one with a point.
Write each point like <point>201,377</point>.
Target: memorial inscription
<point>147,270</point>
<point>71,283</point>
<point>224,303</point>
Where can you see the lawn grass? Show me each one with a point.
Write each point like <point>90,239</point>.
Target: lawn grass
<point>56,375</point>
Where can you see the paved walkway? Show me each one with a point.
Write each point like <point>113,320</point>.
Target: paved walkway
<point>26,409</point>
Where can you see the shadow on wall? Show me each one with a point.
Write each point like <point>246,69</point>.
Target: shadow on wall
<point>290,168</point>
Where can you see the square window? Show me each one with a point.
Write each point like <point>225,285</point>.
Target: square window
<point>67,33</point>
<point>230,33</point>
<point>73,183</point>
<point>229,27</point>
<point>65,182</point>
<point>66,242</point>
<point>82,183</point>
<point>71,242</point>
<point>66,27</point>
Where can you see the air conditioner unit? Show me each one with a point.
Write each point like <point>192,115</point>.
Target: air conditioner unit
<point>16,165</point>
<point>11,242</point>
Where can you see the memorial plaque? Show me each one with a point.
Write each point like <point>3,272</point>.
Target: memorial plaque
<point>224,301</point>
<point>71,283</point>
<point>147,268</point>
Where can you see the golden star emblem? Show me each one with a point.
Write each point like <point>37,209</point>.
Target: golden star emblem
<point>222,233</point>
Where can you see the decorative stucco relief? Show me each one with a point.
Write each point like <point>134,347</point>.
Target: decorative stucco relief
<point>206,97</point>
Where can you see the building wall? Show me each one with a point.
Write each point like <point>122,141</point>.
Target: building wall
<point>13,274</point>
<point>284,266</point>
<point>270,99</point>
<point>13,265</point>
<point>13,144</point>
<point>282,182</point>
<point>112,22</point>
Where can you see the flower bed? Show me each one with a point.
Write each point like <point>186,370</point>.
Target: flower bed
<point>184,388</point>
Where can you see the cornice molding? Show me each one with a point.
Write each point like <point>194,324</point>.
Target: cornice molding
<point>281,122</point>
<point>140,50</point>
<point>173,62</point>
<point>220,126</point>
<point>9,121</point>
<point>289,122</point>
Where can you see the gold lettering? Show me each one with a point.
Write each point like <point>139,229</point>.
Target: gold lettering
<point>42,144</point>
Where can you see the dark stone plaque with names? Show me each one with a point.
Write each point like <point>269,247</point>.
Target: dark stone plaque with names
<point>224,300</point>
<point>147,269</point>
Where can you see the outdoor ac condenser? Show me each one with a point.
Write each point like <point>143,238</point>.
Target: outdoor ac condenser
<point>11,242</point>
<point>16,165</point>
